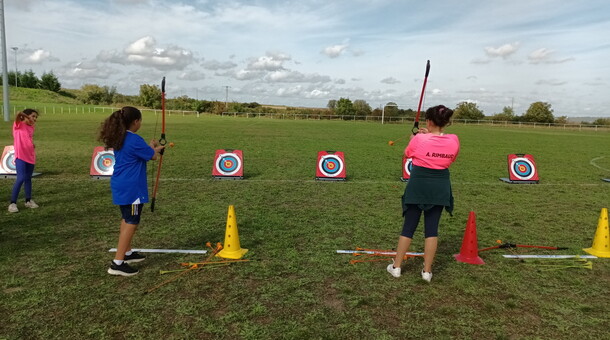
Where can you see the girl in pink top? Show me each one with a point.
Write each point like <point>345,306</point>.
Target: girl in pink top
<point>25,157</point>
<point>429,187</point>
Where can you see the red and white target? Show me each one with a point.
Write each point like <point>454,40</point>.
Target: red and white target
<point>407,165</point>
<point>522,168</point>
<point>331,166</point>
<point>228,164</point>
<point>8,161</point>
<point>102,162</point>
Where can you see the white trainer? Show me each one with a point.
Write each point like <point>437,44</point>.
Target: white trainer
<point>31,204</point>
<point>13,208</point>
<point>427,276</point>
<point>393,271</point>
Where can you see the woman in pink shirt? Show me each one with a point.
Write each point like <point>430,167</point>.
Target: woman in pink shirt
<point>429,187</point>
<point>25,157</point>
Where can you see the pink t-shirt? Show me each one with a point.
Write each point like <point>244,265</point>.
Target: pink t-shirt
<point>23,135</point>
<point>433,151</point>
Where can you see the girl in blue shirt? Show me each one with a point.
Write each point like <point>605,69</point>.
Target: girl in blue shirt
<point>128,181</point>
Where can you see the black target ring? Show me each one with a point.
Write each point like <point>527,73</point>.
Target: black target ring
<point>8,162</point>
<point>104,163</point>
<point>228,164</point>
<point>330,165</point>
<point>523,168</point>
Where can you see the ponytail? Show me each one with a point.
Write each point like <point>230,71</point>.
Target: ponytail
<point>112,131</point>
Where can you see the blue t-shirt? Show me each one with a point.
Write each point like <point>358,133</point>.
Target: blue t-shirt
<point>128,181</point>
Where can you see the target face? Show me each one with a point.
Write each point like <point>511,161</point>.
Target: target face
<point>522,168</point>
<point>407,165</point>
<point>228,163</point>
<point>330,165</point>
<point>8,160</point>
<point>102,162</point>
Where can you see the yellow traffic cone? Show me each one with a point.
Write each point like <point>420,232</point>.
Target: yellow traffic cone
<point>601,241</point>
<point>232,249</point>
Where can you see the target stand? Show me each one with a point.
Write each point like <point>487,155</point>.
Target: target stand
<point>407,165</point>
<point>102,163</point>
<point>521,170</point>
<point>8,169</point>
<point>331,166</point>
<point>228,164</point>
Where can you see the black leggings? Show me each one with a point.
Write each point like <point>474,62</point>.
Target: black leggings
<point>431,218</point>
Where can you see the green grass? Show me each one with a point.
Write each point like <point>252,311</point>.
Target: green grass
<point>53,260</point>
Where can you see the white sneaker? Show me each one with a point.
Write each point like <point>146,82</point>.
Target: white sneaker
<point>31,204</point>
<point>426,276</point>
<point>13,208</point>
<point>393,271</point>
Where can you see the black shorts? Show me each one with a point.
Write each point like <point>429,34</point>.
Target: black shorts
<point>131,213</point>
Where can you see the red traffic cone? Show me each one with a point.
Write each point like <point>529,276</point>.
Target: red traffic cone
<point>470,247</point>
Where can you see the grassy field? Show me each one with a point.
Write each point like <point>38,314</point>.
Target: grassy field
<point>53,260</point>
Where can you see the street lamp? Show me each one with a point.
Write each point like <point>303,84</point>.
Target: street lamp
<point>16,70</point>
<point>383,111</point>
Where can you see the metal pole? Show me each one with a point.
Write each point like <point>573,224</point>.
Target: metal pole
<point>5,96</point>
<point>227,97</point>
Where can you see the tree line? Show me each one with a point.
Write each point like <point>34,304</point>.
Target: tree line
<point>150,96</point>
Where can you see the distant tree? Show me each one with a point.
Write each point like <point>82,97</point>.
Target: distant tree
<point>49,81</point>
<point>332,104</point>
<point>344,107</point>
<point>391,109</point>
<point>376,112</point>
<point>561,120</point>
<point>29,80</point>
<point>508,114</point>
<point>602,121</point>
<point>539,112</point>
<point>362,108</point>
<point>95,94</point>
<point>202,106</point>
<point>150,96</point>
<point>468,110</point>
<point>12,78</point>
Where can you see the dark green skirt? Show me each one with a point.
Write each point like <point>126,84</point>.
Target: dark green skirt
<point>427,188</point>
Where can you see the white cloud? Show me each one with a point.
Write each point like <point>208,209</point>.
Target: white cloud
<point>191,75</point>
<point>86,70</point>
<point>269,62</point>
<point>390,80</point>
<point>218,65</point>
<point>544,55</point>
<point>503,51</point>
<point>286,76</point>
<point>551,82</point>
<point>335,50</point>
<point>38,56</point>
<point>144,52</point>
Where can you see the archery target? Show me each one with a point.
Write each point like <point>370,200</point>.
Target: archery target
<point>228,163</point>
<point>331,165</point>
<point>102,162</point>
<point>8,160</point>
<point>522,168</point>
<point>407,165</point>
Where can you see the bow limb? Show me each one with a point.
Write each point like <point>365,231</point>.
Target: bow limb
<point>162,141</point>
<point>421,99</point>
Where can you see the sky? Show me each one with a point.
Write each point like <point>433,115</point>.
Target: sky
<point>494,53</point>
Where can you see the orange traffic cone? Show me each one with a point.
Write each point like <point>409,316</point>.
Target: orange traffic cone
<point>469,252</point>
<point>601,240</point>
<point>232,249</point>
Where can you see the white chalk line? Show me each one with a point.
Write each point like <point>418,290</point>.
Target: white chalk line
<point>592,162</point>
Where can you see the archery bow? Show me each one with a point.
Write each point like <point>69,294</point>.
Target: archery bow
<point>512,245</point>
<point>162,141</point>
<point>421,99</point>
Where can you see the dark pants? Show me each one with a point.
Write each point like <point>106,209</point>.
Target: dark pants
<point>431,218</point>
<point>24,177</point>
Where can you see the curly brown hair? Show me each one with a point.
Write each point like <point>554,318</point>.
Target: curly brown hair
<point>112,130</point>
<point>440,115</point>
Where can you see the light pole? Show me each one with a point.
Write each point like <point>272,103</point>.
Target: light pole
<point>383,111</point>
<point>227,98</point>
<point>16,69</point>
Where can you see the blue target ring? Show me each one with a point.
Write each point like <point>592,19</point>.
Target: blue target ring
<point>409,166</point>
<point>228,164</point>
<point>104,163</point>
<point>523,168</point>
<point>9,162</point>
<point>330,165</point>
